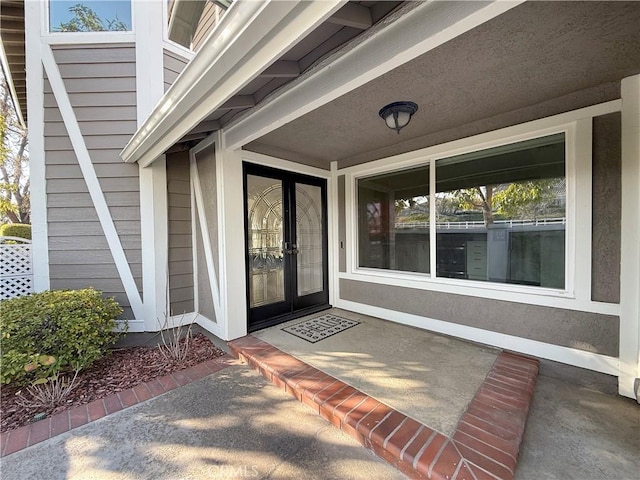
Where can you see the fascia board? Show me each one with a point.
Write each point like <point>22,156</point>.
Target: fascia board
<point>250,37</point>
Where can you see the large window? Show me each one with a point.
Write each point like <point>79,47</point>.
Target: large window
<point>500,216</point>
<point>89,15</point>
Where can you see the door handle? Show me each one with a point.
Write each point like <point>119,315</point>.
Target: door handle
<point>294,249</point>
<point>289,250</point>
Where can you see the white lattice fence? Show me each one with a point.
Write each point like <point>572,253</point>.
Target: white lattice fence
<point>16,274</point>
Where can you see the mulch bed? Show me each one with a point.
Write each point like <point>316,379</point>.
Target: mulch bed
<point>120,370</point>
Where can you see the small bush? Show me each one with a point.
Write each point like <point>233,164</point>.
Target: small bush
<point>56,330</point>
<point>19,230</point>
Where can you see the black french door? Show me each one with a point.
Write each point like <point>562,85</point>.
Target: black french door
<point>285,244</point>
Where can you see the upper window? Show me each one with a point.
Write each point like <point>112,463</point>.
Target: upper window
<point>89,16</point>
<point>500,216</point>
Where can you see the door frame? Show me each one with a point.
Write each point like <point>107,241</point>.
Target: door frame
<point>288,177</point>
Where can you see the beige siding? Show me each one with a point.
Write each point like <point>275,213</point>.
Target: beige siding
<point>210,16</point>
<point>100,81</point>
<point>173,66</point>
<point>181,296</point>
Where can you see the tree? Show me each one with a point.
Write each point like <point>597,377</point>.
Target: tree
<point>86,20</point>
<point>14,162</point>
<point>524,200</point>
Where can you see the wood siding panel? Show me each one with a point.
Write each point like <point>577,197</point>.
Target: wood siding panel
<point>173,66</point>
<point>210,15</point>
<point>181,284</point>
<point>100,81</point>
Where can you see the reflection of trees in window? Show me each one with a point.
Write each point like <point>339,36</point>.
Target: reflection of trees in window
<point>86,19</point>
<point>530,200</point>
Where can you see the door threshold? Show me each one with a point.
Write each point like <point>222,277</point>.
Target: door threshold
<point>287,317</point>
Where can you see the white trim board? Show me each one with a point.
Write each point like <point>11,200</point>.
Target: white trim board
<point>35,113</point>
<point>570,356</point>
<point>287,165</point>
<point>91,179</point>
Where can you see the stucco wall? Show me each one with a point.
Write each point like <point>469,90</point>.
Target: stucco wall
<point>605,257</point>
<point>584,331</point>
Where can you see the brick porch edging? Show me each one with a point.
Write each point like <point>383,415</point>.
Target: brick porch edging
<point>23,437</point>
<point>486,440</point>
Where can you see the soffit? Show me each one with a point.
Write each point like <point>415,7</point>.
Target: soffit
<point>533,53</point>
<point>12,36</point>
<point>342,27</point>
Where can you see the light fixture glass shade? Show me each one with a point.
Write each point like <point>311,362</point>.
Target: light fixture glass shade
<point>398,114</point>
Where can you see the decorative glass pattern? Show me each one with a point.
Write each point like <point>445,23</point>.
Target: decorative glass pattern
<point>309,239</point>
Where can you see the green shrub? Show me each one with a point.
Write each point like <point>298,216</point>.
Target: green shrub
<point>19,230</point>
<point>56,330</point>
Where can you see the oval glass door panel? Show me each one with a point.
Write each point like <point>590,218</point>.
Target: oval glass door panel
<point>265,236</point>
<point>309,236</point>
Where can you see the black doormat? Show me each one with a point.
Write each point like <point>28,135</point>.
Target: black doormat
<point>319,328</point>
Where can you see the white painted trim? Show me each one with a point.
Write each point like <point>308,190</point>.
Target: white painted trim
<point>567,355</point>
<point>91,179</point>
<point>486,140</point>
<point>205,237</point>
<point>194,238</point>
<point>224,312</point>
<point>178,49</point>
<point>579,212</point>
<point>181,320</point>
<point>577,295</point>
<point>210,326</point>
<point>233,256</point>
<point>82,37</point>
<point>333,215</point>
<point>205,143</point>
<point>281,164</point>
<point>248,38</point>
<point>133,326</point>
<point>147,23</point>
<point>37,159</point>
<point>387,46</point>
<point>72,38</point>
<point>630,238</point>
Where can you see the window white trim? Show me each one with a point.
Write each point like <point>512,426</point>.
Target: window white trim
<point>85,37</point>
<point>576,126</point>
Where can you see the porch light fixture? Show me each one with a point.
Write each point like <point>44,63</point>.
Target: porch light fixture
<point>397,115</point>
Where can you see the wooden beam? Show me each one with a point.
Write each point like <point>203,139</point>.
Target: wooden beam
<point>352,15</point>
<point>239,101</point>
<point>205,127</point>
<point>282,69</point>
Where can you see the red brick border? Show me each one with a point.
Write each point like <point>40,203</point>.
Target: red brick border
<point>23,437</point>
<point>484,445</point>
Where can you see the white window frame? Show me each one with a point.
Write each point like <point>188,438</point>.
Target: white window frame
<point>576,295</point>
<point>85,37</point>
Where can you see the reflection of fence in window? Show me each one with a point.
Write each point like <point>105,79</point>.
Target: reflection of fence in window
<point>16,274</point>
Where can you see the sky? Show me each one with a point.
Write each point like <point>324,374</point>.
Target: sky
<point>105,9</point>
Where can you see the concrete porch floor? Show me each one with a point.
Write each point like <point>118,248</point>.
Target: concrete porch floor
<point>428,377</point>
<point>572,432</point>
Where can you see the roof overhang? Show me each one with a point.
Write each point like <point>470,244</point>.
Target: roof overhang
<point>248,39</point>
<point>252,35</point>
<point>12,53</point>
